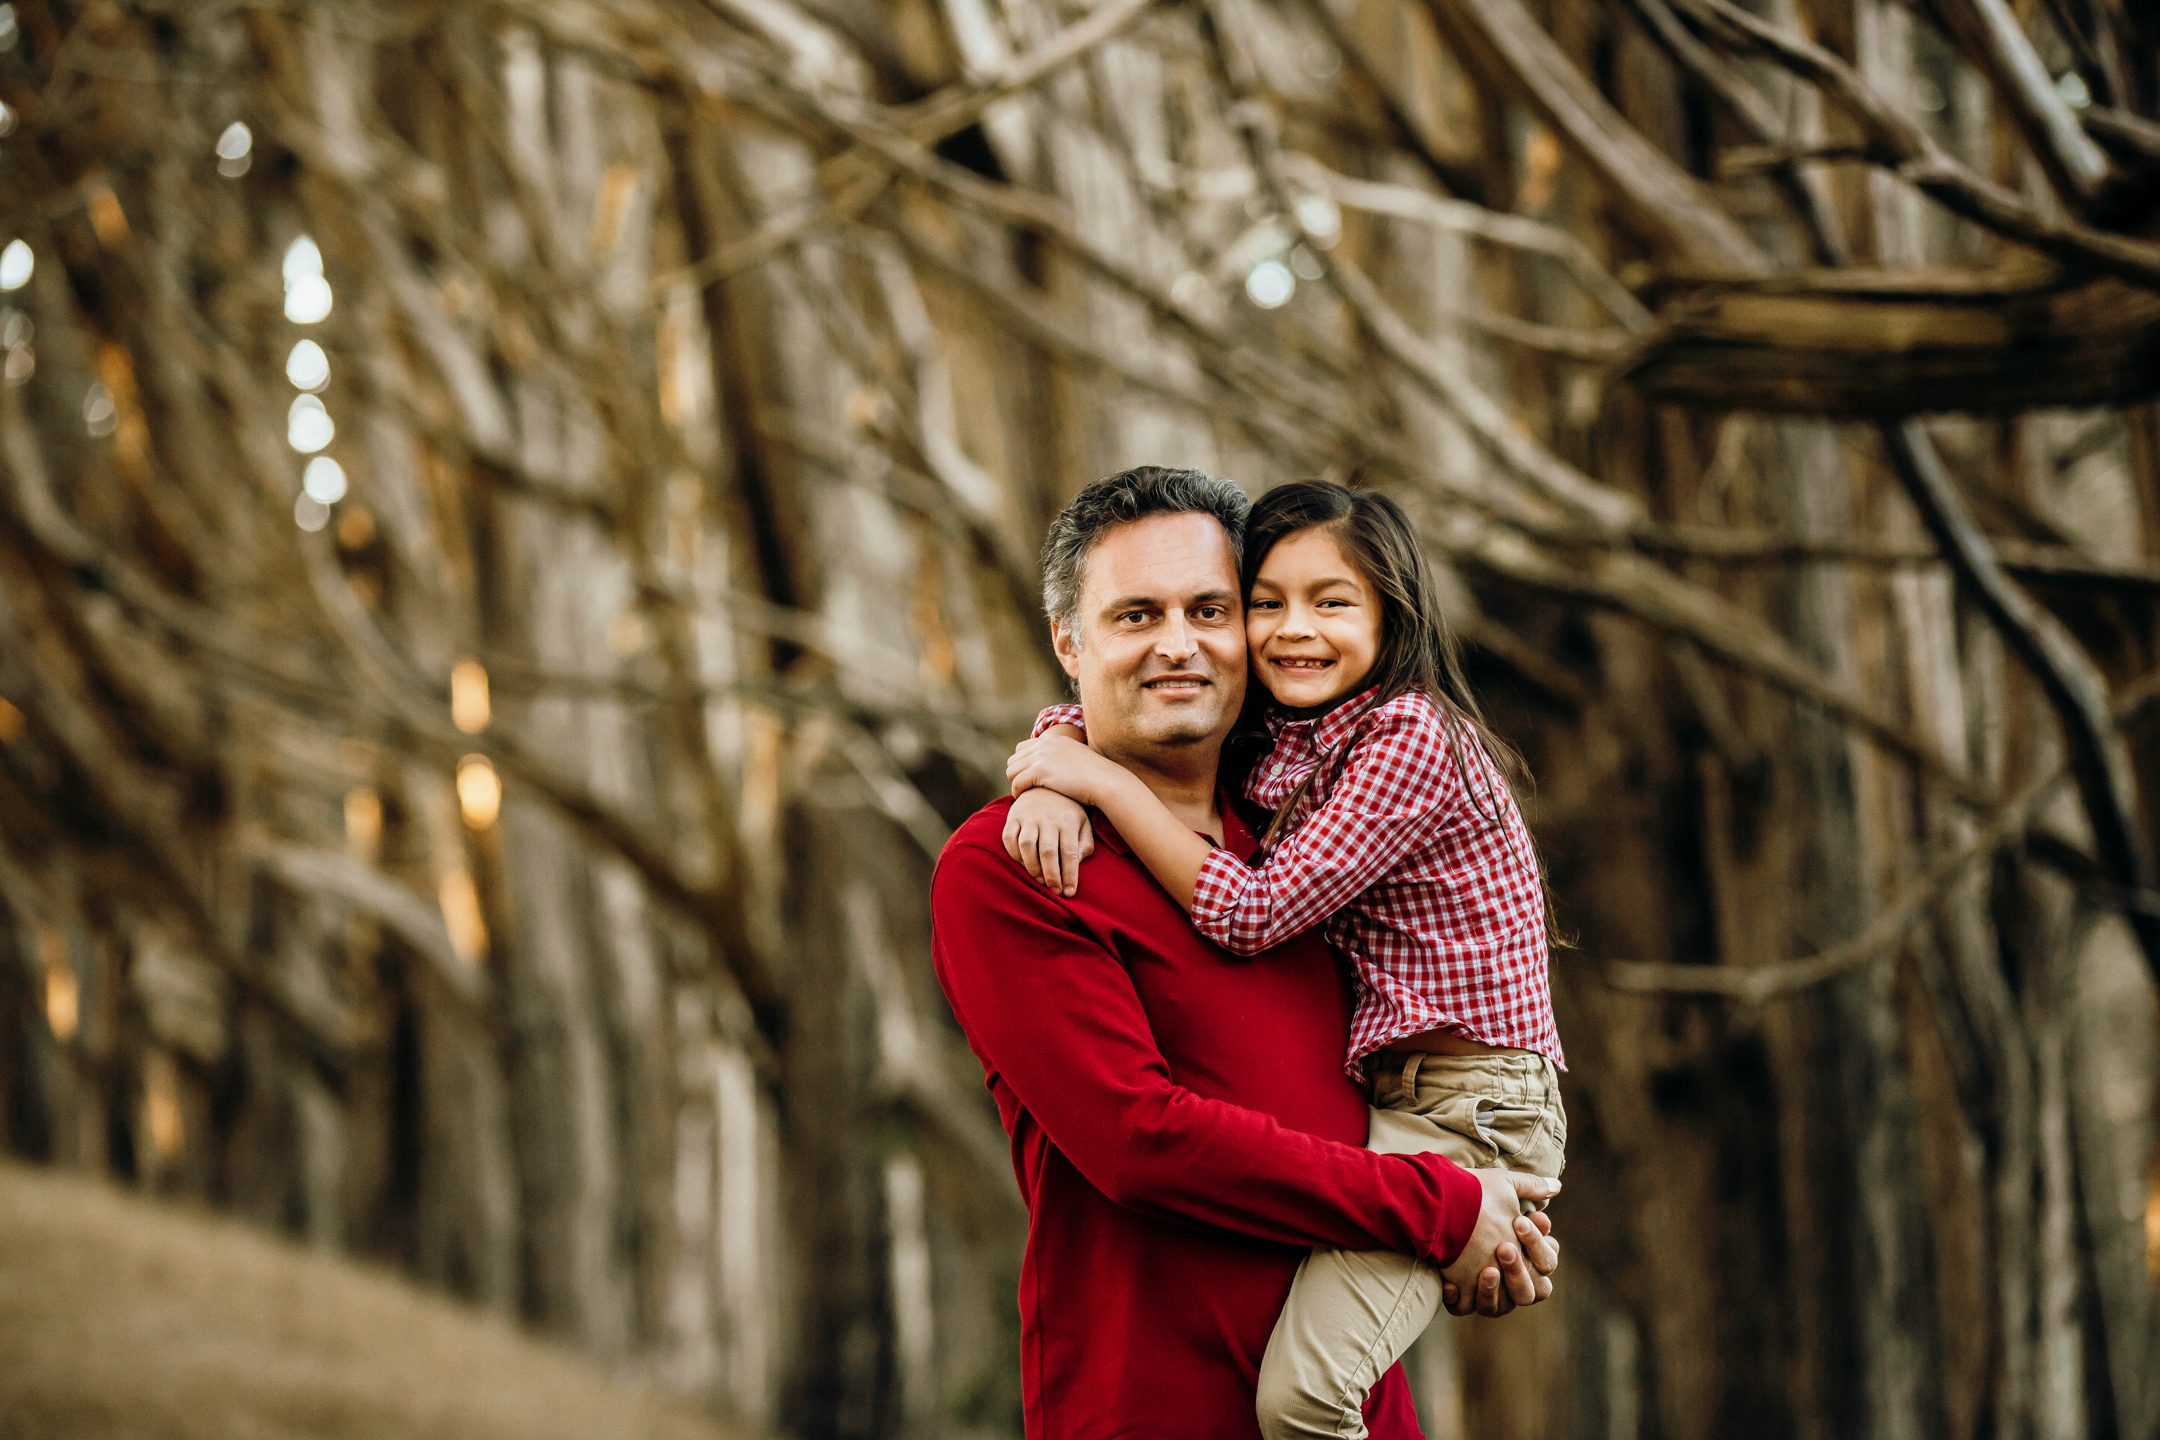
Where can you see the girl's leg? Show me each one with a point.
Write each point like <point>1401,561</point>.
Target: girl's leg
<point>1351,1314</point>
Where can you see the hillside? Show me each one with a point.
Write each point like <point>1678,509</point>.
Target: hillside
<point>129,1320</point>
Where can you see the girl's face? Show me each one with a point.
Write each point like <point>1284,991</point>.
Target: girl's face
<point>1313,623</point>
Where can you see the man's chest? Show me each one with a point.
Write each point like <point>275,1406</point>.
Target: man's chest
<point>1266,1031</point>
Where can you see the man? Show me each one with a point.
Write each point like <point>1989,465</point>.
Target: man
<point>1182,1128</point>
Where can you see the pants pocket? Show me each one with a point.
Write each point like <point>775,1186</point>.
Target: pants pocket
<point>1476,1118</point>
<point>1512,1134</point>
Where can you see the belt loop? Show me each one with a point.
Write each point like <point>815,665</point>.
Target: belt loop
<point>1406,1085</point>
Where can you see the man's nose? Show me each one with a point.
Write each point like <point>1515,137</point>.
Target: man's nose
<point>1175,642</point>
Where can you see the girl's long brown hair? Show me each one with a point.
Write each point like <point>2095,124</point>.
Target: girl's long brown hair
<point>1418,650</point>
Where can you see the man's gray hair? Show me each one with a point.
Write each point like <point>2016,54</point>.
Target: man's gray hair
<point>1120,499</point>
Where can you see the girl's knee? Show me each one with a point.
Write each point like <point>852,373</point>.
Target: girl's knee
<point>1289,1410</point>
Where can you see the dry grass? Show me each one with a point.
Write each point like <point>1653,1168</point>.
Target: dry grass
<point>125,1319</point>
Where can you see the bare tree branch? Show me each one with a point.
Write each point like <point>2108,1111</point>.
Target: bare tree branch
<point>1661,202</point>
<point>1755,984</point>
<point>1911,153</point>
<point>1900,342</point>
<point>1989,32</point>
<point>416,919</point>
<point>2098,757</point>
<point>1462,217</point>
<point>926,122</point>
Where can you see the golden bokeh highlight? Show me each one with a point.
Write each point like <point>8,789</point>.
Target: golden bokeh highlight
<point>131,434</point>
<point>470,710</point>
<point>363,822</point>
<point>63,993</point>
<point>12,723</point>
<point>460,901</point>
<point>161,1105</point>
<point>479,791</point>
<point>2152,1220</point>
<point>355,526</point>
<point>107,218</point>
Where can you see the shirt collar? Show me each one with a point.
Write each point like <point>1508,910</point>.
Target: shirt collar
<point>1239,836</point>
<point>1330,730</point>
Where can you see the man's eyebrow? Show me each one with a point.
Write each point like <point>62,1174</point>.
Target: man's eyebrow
<point>1140,602</point>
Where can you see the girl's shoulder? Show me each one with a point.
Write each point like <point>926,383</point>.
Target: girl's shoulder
<point>1410,717</point>
<point>1417,745</point>
<point>1403,742</point>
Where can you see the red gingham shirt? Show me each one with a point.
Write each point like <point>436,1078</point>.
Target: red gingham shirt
<point>1437,905</point>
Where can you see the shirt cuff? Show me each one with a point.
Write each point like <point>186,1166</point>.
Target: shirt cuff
<point>1058,715</point>
<point>1462,1196</point>
<point>1217,890</point>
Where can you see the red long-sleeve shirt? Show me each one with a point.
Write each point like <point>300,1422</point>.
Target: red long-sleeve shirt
<point>1181,1130</point>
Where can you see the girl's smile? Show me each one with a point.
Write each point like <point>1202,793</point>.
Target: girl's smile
<point>1313,624</point>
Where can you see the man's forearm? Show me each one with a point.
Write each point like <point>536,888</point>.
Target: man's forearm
<point>1202,1160</point>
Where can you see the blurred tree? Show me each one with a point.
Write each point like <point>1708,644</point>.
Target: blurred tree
<point>515,550</point>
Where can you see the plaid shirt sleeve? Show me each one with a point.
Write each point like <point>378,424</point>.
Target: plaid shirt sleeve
<point>1397,779</point>
<point>1058,715</point>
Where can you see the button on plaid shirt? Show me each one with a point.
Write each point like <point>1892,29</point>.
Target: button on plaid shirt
<point>1429,886</point>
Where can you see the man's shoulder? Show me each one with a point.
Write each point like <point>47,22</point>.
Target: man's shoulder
<point>984,830</point>
<point>973,869</point>
<point>974,877</point>
<point>974,864</point>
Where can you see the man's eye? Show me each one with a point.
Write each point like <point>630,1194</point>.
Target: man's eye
<point>1133,616</point>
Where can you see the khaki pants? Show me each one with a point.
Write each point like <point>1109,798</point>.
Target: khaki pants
<point>1351,1314</point>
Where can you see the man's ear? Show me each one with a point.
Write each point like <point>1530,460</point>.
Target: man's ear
<point>1068,653</point>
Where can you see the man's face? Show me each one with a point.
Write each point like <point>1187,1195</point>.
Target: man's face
<point>1161,658</point>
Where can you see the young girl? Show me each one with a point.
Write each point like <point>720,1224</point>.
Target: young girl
<point>1393,825</point>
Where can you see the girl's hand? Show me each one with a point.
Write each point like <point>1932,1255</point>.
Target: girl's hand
<point>1066,766</point>
<point>1050,835</point>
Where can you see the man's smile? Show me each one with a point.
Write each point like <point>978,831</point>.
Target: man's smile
<point>1181,684</point>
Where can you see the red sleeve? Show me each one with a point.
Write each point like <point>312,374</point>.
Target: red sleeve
<point>1053,1014</point>
<point>1058,715</point>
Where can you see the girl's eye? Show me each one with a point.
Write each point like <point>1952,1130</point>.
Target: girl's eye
<point>1265,605</point>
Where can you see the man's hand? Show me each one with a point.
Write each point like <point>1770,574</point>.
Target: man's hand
<point>1050,835</point>
<point>1510,1255</point>
<point>1489,1298</point>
